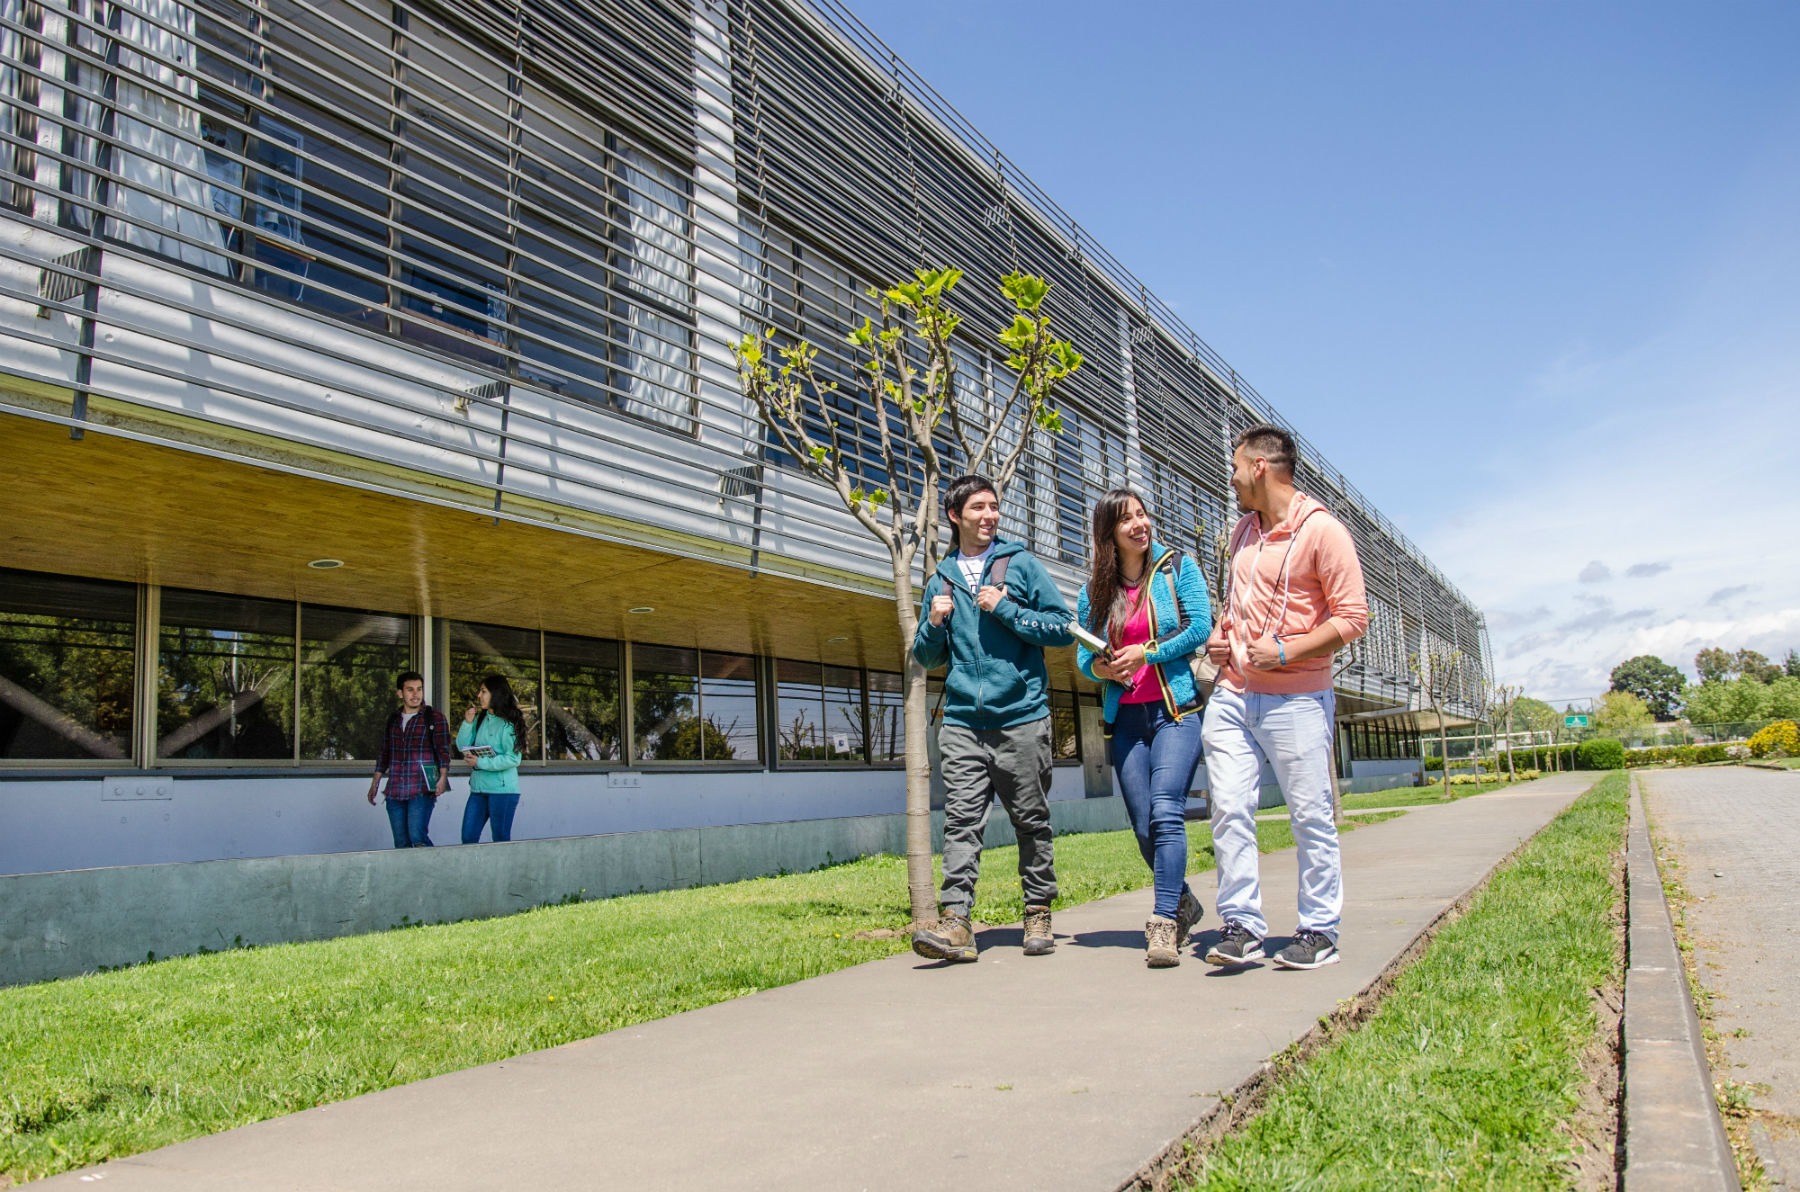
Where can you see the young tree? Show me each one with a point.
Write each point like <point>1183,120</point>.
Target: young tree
<point>1653,681</point>
<point>1503,703</point>
<point>1439,676</point>
<point>1622,715</point>
<point>909,383</point>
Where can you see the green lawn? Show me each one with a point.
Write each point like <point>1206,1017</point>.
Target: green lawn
<point>1467,1073</point>
<point>1414,796</point>
<point>115,1063</point>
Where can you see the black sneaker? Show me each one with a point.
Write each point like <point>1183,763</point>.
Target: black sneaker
<point>1236,946</point>
<point>1187,913</point>
<point>1309,950</point>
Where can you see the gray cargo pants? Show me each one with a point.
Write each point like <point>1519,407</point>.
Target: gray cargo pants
<point>1013,763</point>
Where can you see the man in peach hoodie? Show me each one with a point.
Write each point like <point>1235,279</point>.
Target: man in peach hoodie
<point>1294,595</point>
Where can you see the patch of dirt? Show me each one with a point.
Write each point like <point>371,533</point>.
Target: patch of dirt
<point>1596,1126</point>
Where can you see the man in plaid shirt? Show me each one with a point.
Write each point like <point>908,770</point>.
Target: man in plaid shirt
<point>417,736</point>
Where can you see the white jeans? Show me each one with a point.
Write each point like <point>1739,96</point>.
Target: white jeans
<point>1294,732</point>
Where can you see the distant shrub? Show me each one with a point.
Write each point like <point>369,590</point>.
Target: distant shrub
<point>1738,753</point>
<point>1676,755</point>
<point>1600,753</point>
<point>1781,739</point>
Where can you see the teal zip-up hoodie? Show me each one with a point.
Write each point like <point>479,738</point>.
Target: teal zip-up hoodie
<point>1180,620</point>
<point>497,775</point>
<point>996,677</point>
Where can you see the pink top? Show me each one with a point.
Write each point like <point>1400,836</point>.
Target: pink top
<point>1144,689</point>
<point>1289,581</point>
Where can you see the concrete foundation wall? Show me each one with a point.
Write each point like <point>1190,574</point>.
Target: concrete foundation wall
<point>89,823</point>
<point>66,923</point>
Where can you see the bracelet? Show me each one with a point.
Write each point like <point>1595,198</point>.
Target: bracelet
<point>1280,650</point>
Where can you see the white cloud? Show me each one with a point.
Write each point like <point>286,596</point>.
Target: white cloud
<point>1595,572</point>
<point>1646,570</point>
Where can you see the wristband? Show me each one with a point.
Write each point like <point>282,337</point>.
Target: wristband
<point>1280,650</point>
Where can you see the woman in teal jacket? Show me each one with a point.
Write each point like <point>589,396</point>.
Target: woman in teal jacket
<point>490,739</point>
<point>1149,603</point>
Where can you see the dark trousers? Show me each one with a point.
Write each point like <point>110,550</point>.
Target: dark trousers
<point>980,764</point>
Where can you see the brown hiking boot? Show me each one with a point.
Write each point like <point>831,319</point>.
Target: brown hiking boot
<point>1038,939</point>
<point>1188,913</point>
<point>950,938</point>
<point>1159,943</point>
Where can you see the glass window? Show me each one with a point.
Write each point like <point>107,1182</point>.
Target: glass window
<point>728,704</point>
<point>453,189</point>
<point>693,706</point>
<point>477,651</point>
<point>225,684</point>
<point>665,704</point>
<point>1065,739</point>
<point>800,704</point>
<point>821,713</point>
<point>844,733</point>
<point>66,667</point>
<point>581,698</point>
<point>348,663</point>
<point>887,718</point>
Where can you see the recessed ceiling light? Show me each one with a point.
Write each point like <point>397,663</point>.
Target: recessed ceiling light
<point>325,564</point>
<point>832,641</point>
<point>642,608</point>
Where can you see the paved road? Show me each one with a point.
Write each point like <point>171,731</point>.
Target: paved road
<point>1735,833</point>
<point>1062,1072</point>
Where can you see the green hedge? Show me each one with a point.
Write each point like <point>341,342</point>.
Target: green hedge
<point>1678,755</point>
<point>1600,753</point>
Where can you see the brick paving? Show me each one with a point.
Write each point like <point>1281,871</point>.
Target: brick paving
<point>1735,835</point>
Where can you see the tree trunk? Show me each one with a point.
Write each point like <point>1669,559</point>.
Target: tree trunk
<point>921,889</point>
<point>1444,751</point>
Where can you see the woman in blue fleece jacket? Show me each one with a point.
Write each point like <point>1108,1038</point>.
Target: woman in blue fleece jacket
<point>1149,603</point>
<point>497,723</point>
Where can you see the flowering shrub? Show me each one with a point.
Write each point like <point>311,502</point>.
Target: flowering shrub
<point>1738,753</point>
<point>1781,739</point>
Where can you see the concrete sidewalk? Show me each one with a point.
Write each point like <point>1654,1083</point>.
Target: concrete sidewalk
<point>1067,1071</point>
<point>1735,834</point>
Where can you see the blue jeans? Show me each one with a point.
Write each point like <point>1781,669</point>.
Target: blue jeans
<point>1154,756</point>
<point>411,821</point>
<point>484,808</point>
<point>1294,732</point>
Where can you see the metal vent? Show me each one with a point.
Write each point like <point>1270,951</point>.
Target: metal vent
<point>64,280</point>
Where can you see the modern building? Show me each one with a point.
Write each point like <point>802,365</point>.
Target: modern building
<point>347,336</point>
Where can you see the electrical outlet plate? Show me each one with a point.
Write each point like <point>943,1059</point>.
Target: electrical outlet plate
<point>138,789</point>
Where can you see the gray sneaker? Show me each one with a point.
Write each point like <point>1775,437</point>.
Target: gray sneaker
<point>1159,943</point>
<point>950,938</point>
<point>1188,913</point>
<point>1308,950</point>
<point>1039,940</point>
<point>1236,946</point>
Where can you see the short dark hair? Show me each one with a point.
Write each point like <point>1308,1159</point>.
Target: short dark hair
<point>964,487</point>
<point>407,677</point>
<point>1270,442</point>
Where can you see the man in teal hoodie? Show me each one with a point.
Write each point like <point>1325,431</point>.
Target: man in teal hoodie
<point>988,613</point>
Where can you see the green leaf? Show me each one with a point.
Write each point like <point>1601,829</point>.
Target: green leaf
<point>1019,335</point>
<point>1026,291</point>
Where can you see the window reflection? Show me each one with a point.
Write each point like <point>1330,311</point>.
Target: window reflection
<point>349,662</point>
<point>477,651</point>
<point>66,667</point>
<point>225,686</point>
<point>581,690</point>
<point>693,706</point>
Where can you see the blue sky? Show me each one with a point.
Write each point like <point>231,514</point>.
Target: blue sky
<point>1529,273</point>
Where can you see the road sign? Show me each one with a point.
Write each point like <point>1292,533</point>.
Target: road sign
<point>1575,721</point>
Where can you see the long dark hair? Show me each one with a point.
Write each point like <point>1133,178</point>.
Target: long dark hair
<point>502,703</point>
<point>1107,610</point>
